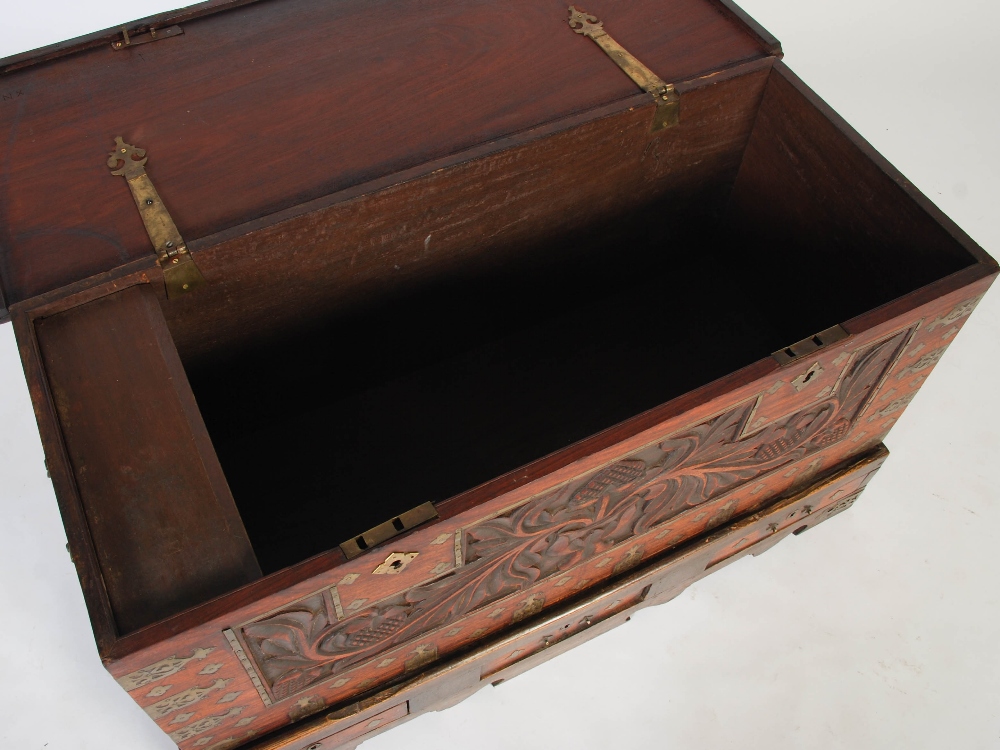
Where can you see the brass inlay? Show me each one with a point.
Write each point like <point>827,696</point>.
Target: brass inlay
<point>247,665</point>
<point>668,102</point>
<point>395,563</point>
<point>337,606</point>
<point>159,670</point>
<point>180,274</point>
<point>385,531</point>
<point>808,346</point>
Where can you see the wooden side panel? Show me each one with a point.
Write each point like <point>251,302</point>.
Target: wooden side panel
<point>165,528</point>
<point>810,185</point>
<point>293,100</point>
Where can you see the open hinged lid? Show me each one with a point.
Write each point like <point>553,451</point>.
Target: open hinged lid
<point>246,109</point>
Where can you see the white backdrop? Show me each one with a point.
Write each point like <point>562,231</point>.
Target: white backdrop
<point>868,632</point>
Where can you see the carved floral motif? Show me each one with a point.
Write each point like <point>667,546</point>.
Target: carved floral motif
<point>553,532</point>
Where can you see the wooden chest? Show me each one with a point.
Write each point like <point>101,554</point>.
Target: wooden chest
<point>416,343</point>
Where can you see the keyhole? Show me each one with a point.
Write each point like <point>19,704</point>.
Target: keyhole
<point>397,564</point>
<point>809,376</point>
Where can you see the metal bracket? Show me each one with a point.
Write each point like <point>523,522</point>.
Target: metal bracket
<point>180,274</point>
<point>668,101</point>
<point>153,35</point>
<point>385,531</point>
<point>808,346</point>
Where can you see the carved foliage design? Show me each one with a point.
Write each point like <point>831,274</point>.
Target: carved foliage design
<point>555,531</point>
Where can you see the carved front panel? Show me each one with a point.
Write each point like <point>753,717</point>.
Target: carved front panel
<point>602,524</point>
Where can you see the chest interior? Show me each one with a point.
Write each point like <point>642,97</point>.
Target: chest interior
<point>370,352</point>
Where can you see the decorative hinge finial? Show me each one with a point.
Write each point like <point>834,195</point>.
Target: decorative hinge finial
<point>180,274</point>
<point>668,103</point>
<point>584,23</point>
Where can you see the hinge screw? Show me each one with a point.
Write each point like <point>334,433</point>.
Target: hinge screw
<point>149,201</point>
<point>170,244</point>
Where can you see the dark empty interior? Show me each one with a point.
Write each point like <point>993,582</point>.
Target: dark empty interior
<point>441,384</point>
<point>450,383</point>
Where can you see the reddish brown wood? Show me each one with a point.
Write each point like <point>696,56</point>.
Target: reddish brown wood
<point>396,90</point>
<point>533,546</point>
<point>588,616</point>
<point>80,542</point>
<point>164,525</point>
<point>358,588</point>
<point>107,36</point>
<point>404,182</point>
<point>493,205</point>
<point>758,32</point>
<point>812,186</point>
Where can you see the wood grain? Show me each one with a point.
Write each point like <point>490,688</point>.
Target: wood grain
<point>365,89</point>
<point>164,525</point>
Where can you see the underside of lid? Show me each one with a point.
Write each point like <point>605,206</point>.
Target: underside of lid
<point>246,109</point>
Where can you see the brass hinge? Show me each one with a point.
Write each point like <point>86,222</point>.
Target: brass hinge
<point>808,346</point>
<point>668,101</point>
<point>153,35</point>
<point>180,274</point>
<point>385,531</point>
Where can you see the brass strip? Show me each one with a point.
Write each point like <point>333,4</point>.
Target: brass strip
<point>385,531</point>
<point>459,562</point>
<point>665,96</point>
<point>247,665</point>
<point>337,607</point>
<point>808,346</point>
<point>180,274</point>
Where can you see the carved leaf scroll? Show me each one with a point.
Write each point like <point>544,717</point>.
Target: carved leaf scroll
<point>557,530</point>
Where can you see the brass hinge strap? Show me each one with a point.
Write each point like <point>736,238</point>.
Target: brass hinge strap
<point>668,102</point>
<point>180,274</point>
